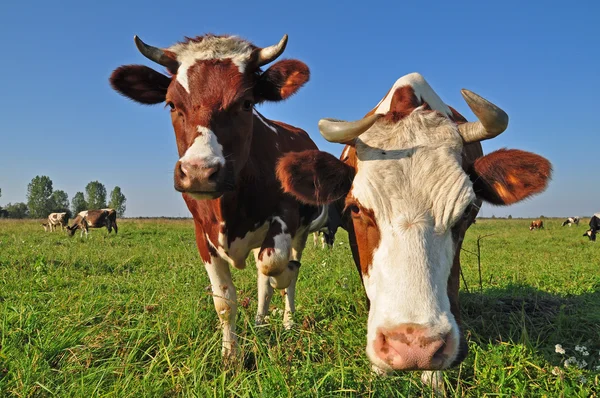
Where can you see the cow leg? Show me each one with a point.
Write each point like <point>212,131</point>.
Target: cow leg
<point>114,224</point>
<point>274,255</point>
<point>265,293</point>
<point>225,300</point>
<point>298,245</point>
<point>315,238</point>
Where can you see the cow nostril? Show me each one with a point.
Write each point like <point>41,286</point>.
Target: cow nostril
<point>181,171</point>
<point>213,173</point>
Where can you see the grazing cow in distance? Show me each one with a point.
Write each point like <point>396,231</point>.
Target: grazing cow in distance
<point>54,219</point>
<point>329,230</point>
<point>94,219</point>
<point>410,181</point>
<point>227,158</point>
<point>571,220</point>
<point>537,224</point>
<point>594,227</point>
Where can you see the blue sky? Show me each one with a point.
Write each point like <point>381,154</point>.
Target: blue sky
<point>59,116</point>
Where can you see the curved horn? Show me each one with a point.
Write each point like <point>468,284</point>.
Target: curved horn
<point>492,120</point>
<point>342,132</point>
<point>270,54</point>
<point>156,54</point>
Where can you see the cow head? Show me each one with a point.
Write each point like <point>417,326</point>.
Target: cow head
<point>214,83</point>
<point>591,233</point>
<point>71,230</point>
<point>409,195</point>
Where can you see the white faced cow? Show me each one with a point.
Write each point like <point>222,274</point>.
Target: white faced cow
<point>227,157</point>
<point>54,219</point>
<point>410,181</point>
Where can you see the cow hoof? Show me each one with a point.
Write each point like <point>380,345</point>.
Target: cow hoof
<point>289,324</point>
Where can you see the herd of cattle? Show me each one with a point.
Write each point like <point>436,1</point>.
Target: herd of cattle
<point>590,233</point>
<point>85,219</point>
<point>410,181</point>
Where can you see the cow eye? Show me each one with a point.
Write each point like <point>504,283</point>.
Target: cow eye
<point>247,105</point>
<point>354,209</point>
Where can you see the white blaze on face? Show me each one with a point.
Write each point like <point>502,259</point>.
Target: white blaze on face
<point>410,176</point>
<point>231,47</point>
<point>205,148</point>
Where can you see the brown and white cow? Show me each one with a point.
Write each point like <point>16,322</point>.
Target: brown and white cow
<point>54,219</point>
<point>227,158</point>
<point>94,219</point>
<point>410,182</point>
<point>536,224</point>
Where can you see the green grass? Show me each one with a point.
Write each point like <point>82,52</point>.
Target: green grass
<point>131,316</point>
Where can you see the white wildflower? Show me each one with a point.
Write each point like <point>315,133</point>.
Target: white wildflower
<point>556,371</point>
<point>597,367</point>
<point>580,348</point>
<point>570,361</point>
<point>582,380</point>
<point>585,353</point>
<point>559,349</point>
<point>582,364</point>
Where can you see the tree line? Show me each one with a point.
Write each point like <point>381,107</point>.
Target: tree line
<point>42,200</point>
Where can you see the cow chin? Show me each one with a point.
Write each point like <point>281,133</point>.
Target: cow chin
<point>205,195</point>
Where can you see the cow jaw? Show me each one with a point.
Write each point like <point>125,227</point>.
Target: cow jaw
<point>410,178</point>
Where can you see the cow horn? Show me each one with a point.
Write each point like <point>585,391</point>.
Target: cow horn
<point>492,120</point>
<point>343,132</point>
<point>156,54</point>
<point>270,54</point>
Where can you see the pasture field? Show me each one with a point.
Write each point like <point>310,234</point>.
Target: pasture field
<point>131,316</point>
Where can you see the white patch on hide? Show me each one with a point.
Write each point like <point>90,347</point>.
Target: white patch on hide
<point>205,148</point>
<point>423,92</point>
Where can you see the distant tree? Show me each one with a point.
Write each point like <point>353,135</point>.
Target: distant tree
<point>509,217</point>
<point>60,202</point>
<point>542,217</point>
<point>39,192</point>
<point>78,203</point>
<point>493,216</point>
<point>17,210</point>
<point>117,201</point>
<point>95,195</point>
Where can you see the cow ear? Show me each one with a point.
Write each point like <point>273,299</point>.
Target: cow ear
<point>314,177</point>
<point>281,81</point>
<point>507,176</point>
<point>140,83</point>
